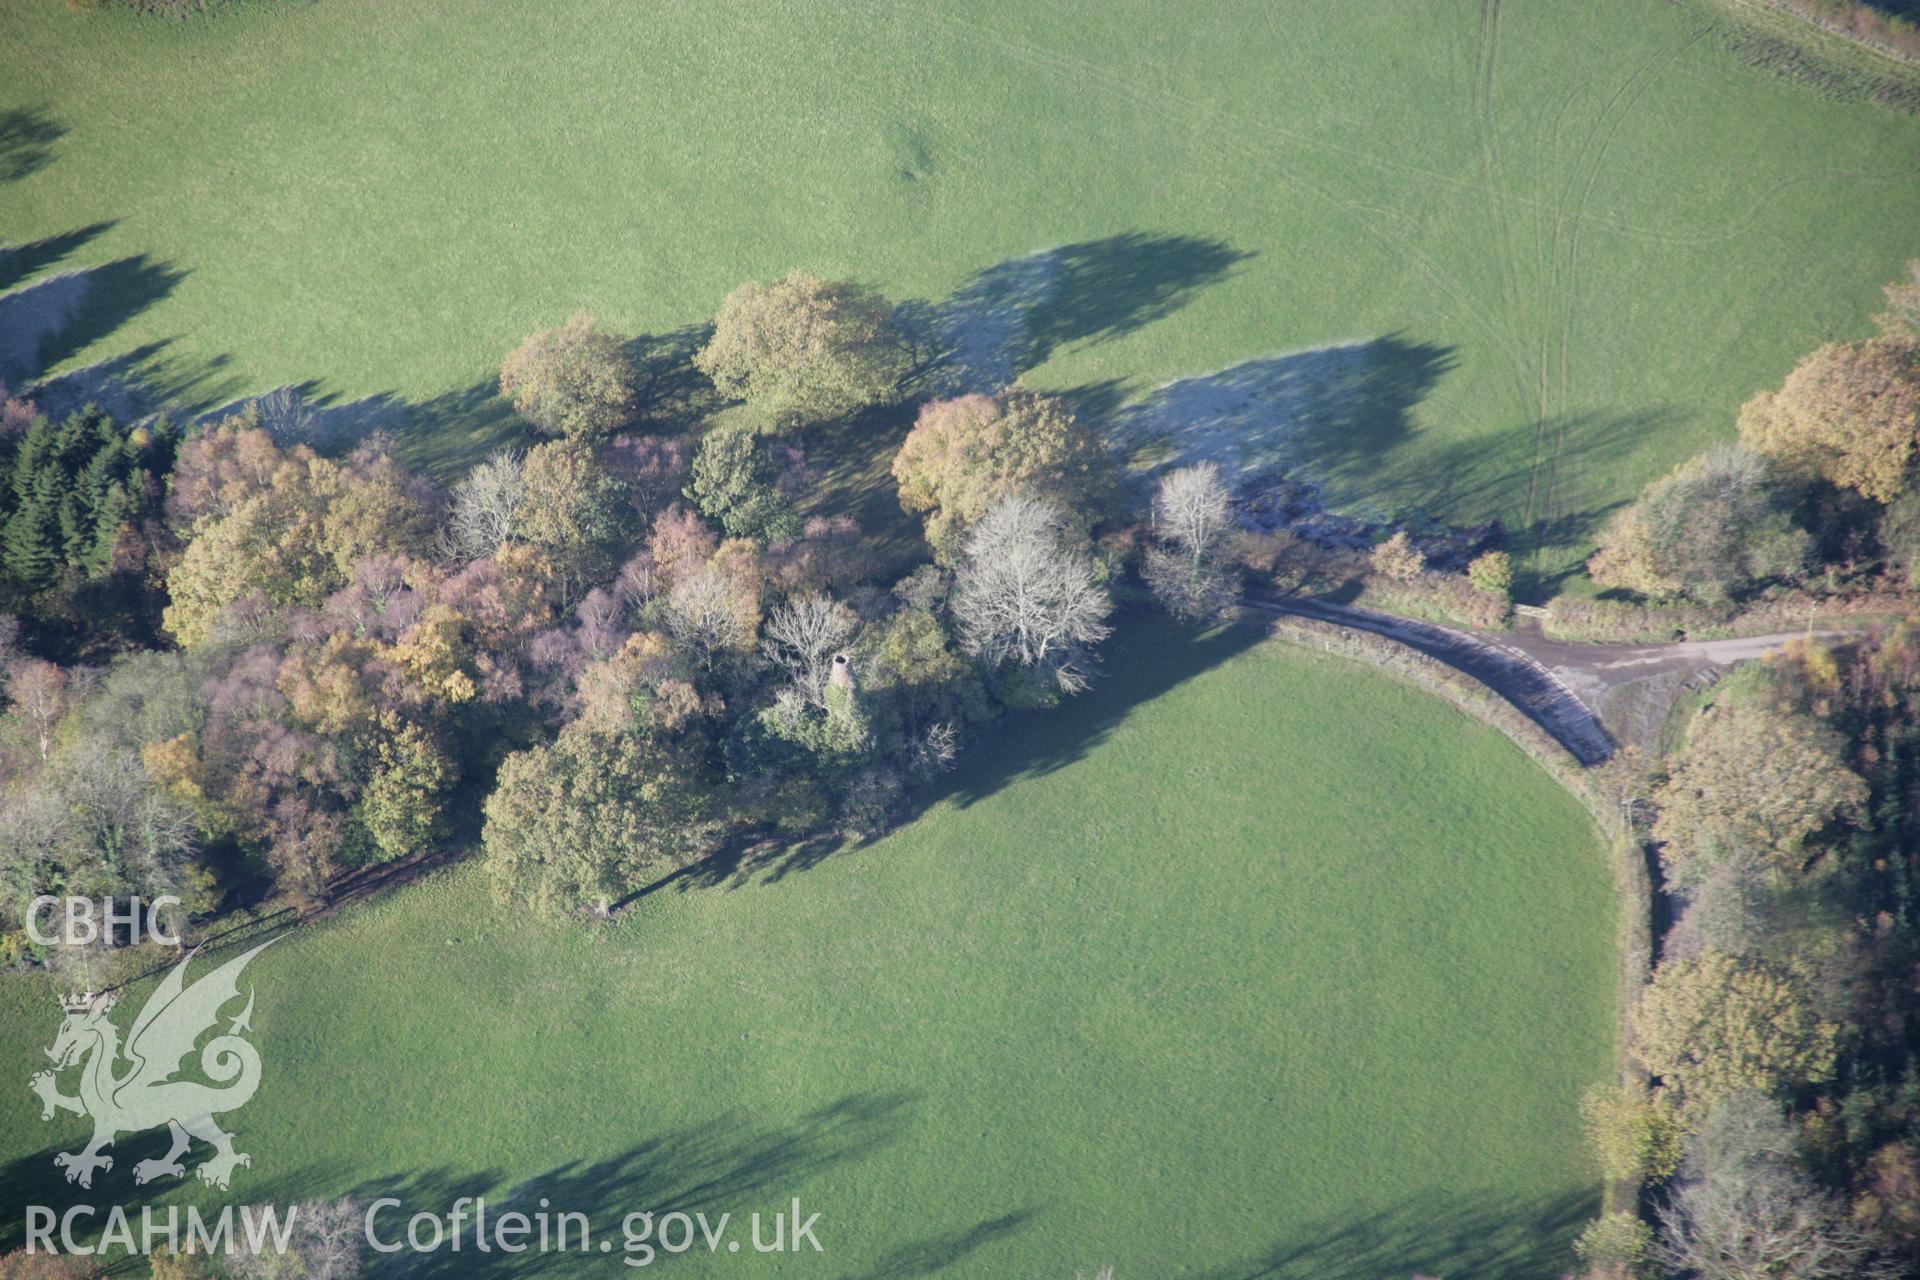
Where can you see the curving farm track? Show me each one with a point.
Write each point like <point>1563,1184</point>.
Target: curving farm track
<point>1562,687</point>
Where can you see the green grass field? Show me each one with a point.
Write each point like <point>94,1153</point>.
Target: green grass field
<point>1576,236</point>
<point>1250,958</point>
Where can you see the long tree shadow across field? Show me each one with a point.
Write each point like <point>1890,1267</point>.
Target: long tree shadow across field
<point>1012,316</point>
<point>1330,411</point>
<point>1136,668</point>
<point>30,315</point>
<point>1109,287</point>
<point>46,322</point>
<point>112,294</point>
<point>31,257</point>
<point>27,135</point>
<point>1503,1238</point>
<point>727,1165</point>
<point>34,1180</point>
<point>938,1252</point>
<point>442,435</point>
<point>138,383</point>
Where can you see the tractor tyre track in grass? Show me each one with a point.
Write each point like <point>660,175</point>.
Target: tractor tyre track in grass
<point>1556,416</point>
<point>1513,291</point>
<point>1194,116</point>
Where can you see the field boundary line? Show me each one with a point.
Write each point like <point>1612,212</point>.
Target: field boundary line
<point>1853,38</point>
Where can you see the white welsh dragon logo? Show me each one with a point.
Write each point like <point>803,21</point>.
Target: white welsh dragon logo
<point>147,1096</point>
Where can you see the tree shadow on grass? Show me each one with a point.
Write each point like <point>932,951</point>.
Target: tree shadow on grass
<point>1148,657</point>
<point>34,1180</point>
<point>44,323</point>
<point>851,461</point>
<point>1337,417</point>
<point>30,315</point>
<point>1326,412</point>
<point>1495,471</point>
<point>1492,468</point>
<point>1012,316</point>
<point>446,435</point>
<point>725,1166</point>
<point>30,258</point>
<point>1334,416</point>
<point>1096,401</point>
<point>27,135</point>
<point>137,384</point>
<point>939,1252</point>
<point>114,293</point>
<point>737,1167</point>
<point>1109,287</point>
<point>1512,1238</point>
<point>728,1165</point>
<point>441,436</point>
<point>671,390</point>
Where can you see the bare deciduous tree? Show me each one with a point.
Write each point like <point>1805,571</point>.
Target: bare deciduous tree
<point>1192,515</point>
<point>334,1244</point>
<point>1192,509</point>
<point>1026,596</point>
<point>1746,1211</point>
<point>34,823</point>
<point>703,617</point>
<point>934,749</point>
<point>327,1242</point>
<point>39,692</point>
<point>601,614</point>
<point>802,638</point>
<point>639,579</point>
<point>288,418</point>
<point>123,817</point>
<point>485,502</point>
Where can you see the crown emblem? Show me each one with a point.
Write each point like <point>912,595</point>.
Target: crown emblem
<point>80,1003</point>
